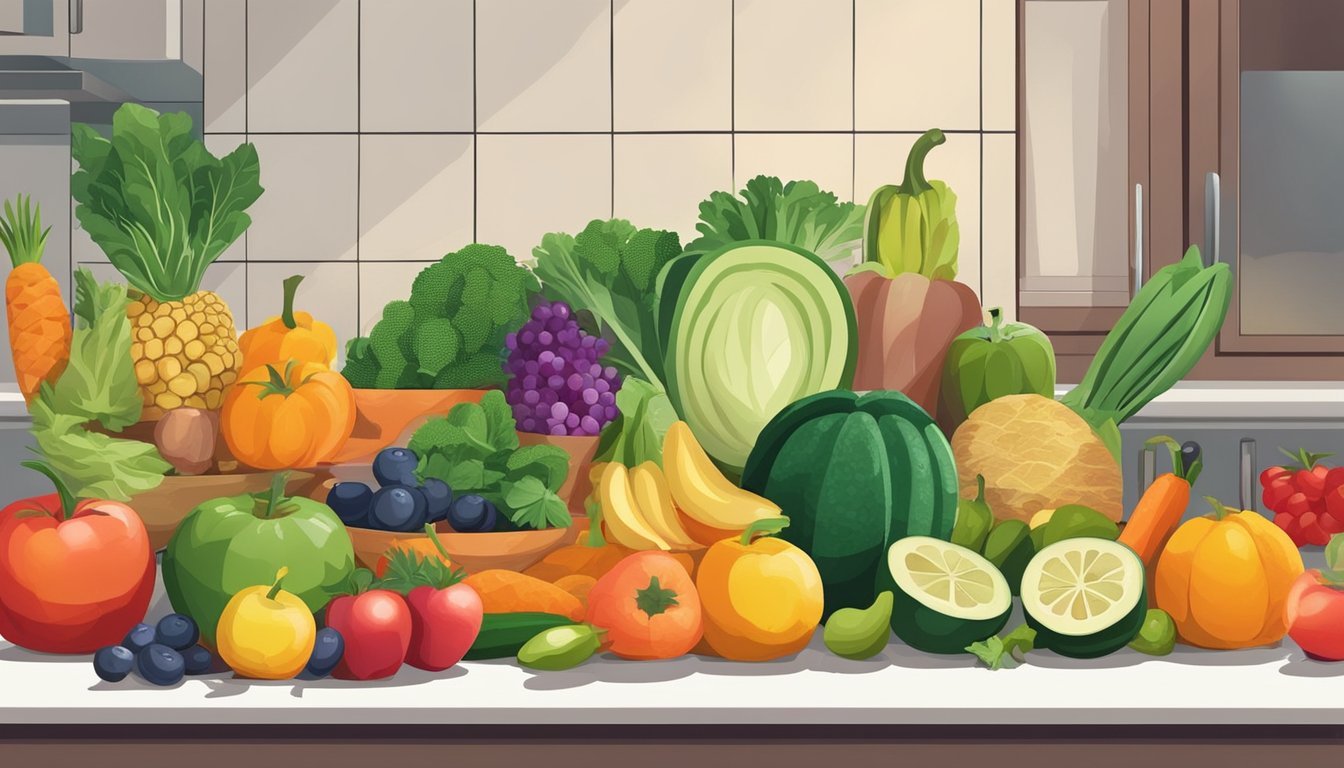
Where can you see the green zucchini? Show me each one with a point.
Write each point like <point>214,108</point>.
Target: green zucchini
<point>502,635</point>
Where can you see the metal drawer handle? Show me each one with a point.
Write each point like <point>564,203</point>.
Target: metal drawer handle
<point>1213,217</point>
<point>76,16</point>
<point>1248,474</point>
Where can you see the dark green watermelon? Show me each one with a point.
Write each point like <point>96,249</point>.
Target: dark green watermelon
<point>855,473</point>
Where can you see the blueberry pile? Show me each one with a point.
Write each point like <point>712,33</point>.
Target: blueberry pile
<point>161,654</point>
<point>403,504</point>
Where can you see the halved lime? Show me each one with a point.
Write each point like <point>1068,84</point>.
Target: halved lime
<point>1084,597</point>
<point>946,596</point>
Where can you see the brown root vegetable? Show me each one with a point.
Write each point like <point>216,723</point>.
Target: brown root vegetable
<point>906,324</point>
<point>186,439</point>
<point>1035,453</point>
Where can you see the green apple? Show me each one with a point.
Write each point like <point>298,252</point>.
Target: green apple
<point>229,544</point>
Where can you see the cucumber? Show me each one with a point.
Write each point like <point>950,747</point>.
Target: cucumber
<point>504,634</point>
<point>945,596</point>
<point>1084,597</point>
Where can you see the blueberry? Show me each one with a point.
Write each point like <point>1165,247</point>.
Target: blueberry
<point>395,466</point>
<point>196,660</point>
<point>140,637</point>
<point>160,665</point>
<point>350,502</point>
<point>438,497</point>
<point>113,663</point>
<point>398,508</point>
<point>472,514</point>
<point>177,632</point>
<point>327,652</point>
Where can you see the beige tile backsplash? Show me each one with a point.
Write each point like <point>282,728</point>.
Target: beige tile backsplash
<point>393,131</point>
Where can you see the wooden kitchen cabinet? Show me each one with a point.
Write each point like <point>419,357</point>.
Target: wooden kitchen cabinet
<point>1100,179</point>
<point>1265,181</point>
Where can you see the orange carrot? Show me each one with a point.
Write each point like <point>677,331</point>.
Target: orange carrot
<point>511,592</point>
<point>39,324</point>
<point>1163,504</point>
<point>577,585</point>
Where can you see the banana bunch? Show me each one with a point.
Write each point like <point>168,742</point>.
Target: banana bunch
<point>688,505</point>
<point>1160,337</point>
<point>912,227</point>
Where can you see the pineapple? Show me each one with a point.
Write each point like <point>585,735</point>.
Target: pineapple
<point>163,208</point>
<point>185,352</point>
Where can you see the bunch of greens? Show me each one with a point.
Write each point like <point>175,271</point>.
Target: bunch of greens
<point>98,385</point>
<point>474,449</point>
<point>798,213</point>
<point>610,270</point>
<point>450,333</point>
<point>157,202</point>
<point>636,435</point>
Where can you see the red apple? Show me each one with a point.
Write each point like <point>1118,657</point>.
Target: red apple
<point>444,624</point>
<point>376,626</point>
<point>1316,616</point>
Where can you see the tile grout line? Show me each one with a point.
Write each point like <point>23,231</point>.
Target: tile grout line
<point>247,137</point>
<point>751,132</point>
<point>611,93</point>
<point>854,101</point>
<point>982,151</point>
<point>732,91</point>
<point>475,132</point>
<point>359,157</point>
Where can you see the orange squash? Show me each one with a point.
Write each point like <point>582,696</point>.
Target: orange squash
<point>290,336</point>
<point>1224,578</point>
<point>296,418</point>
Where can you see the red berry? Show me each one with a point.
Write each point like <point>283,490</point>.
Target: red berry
<point>1309,483</point>
<point>1277,493</point>
<point>1320,470</point>
<point>1307,520</point>
<point>1334,503</point>
<point>1297,505</point>
<point>1313,534</point>
<point>1330,524</point>
<point>1272,474</point>
<point>1334,479</point>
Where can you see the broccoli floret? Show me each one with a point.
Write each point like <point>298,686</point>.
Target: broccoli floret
<point>459,306</point>
<point>646,253</point>
<point>437,344</point>
<point>360,366</point>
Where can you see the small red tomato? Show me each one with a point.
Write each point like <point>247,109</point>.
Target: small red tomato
<point>1309,484</point>
<point>1334,503</point>
<point>1316,616</point>
<point>376,627</point>
<point>1313,534</point>
<point>1330,524</point>
<point>1273,473</point>
<point>444,624</point>
<point>1334,479</point>
<point>1297,505</point>
<point>1320,470</point>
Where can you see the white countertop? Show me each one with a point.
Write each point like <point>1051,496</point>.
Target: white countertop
<point>1264,686</point>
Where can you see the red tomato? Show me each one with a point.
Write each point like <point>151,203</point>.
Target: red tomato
<point>649,607</point>
<point>376,627</point>
<point>1334,503</point>
<point>444,624</point>
<point>1316,616</point>
<point>1297,505</point>
<point>74,576</point>
<point>1309,483</point>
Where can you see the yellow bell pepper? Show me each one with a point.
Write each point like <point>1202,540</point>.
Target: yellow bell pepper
<point>266,632</point>
<point>1224,579</point>
<point>290,336</point>
<point>760,598</point>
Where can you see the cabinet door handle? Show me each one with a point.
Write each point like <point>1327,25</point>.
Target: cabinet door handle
<point>1138,237</point>
<point>1213,217</point>
<point>1247,473</point>
<point>76,16</point>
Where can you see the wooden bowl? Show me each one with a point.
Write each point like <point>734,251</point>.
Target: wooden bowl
<point>387,417</point>
<point>578,483</point>
<point>163,508</point>
<point>507,550</point>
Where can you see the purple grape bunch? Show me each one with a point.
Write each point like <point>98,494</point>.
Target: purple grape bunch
<point>559,385</point>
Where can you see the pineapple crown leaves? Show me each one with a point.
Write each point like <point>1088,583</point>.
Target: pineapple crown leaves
<point>158,203</point>
<point>408,569</point>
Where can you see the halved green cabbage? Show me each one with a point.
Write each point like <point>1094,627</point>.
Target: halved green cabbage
<point>749,329</point>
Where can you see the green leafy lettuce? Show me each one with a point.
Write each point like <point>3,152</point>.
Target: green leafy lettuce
<point>1005,652</point>
<point>636,435</point>
<point>98,385</point>
<point>798,213</point>
<point>610,270</point>
<point>474,449</point>
<point>450,333</point>
<point>156,201</point>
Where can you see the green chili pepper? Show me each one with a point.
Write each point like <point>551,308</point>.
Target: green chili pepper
<point>561,647</point>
